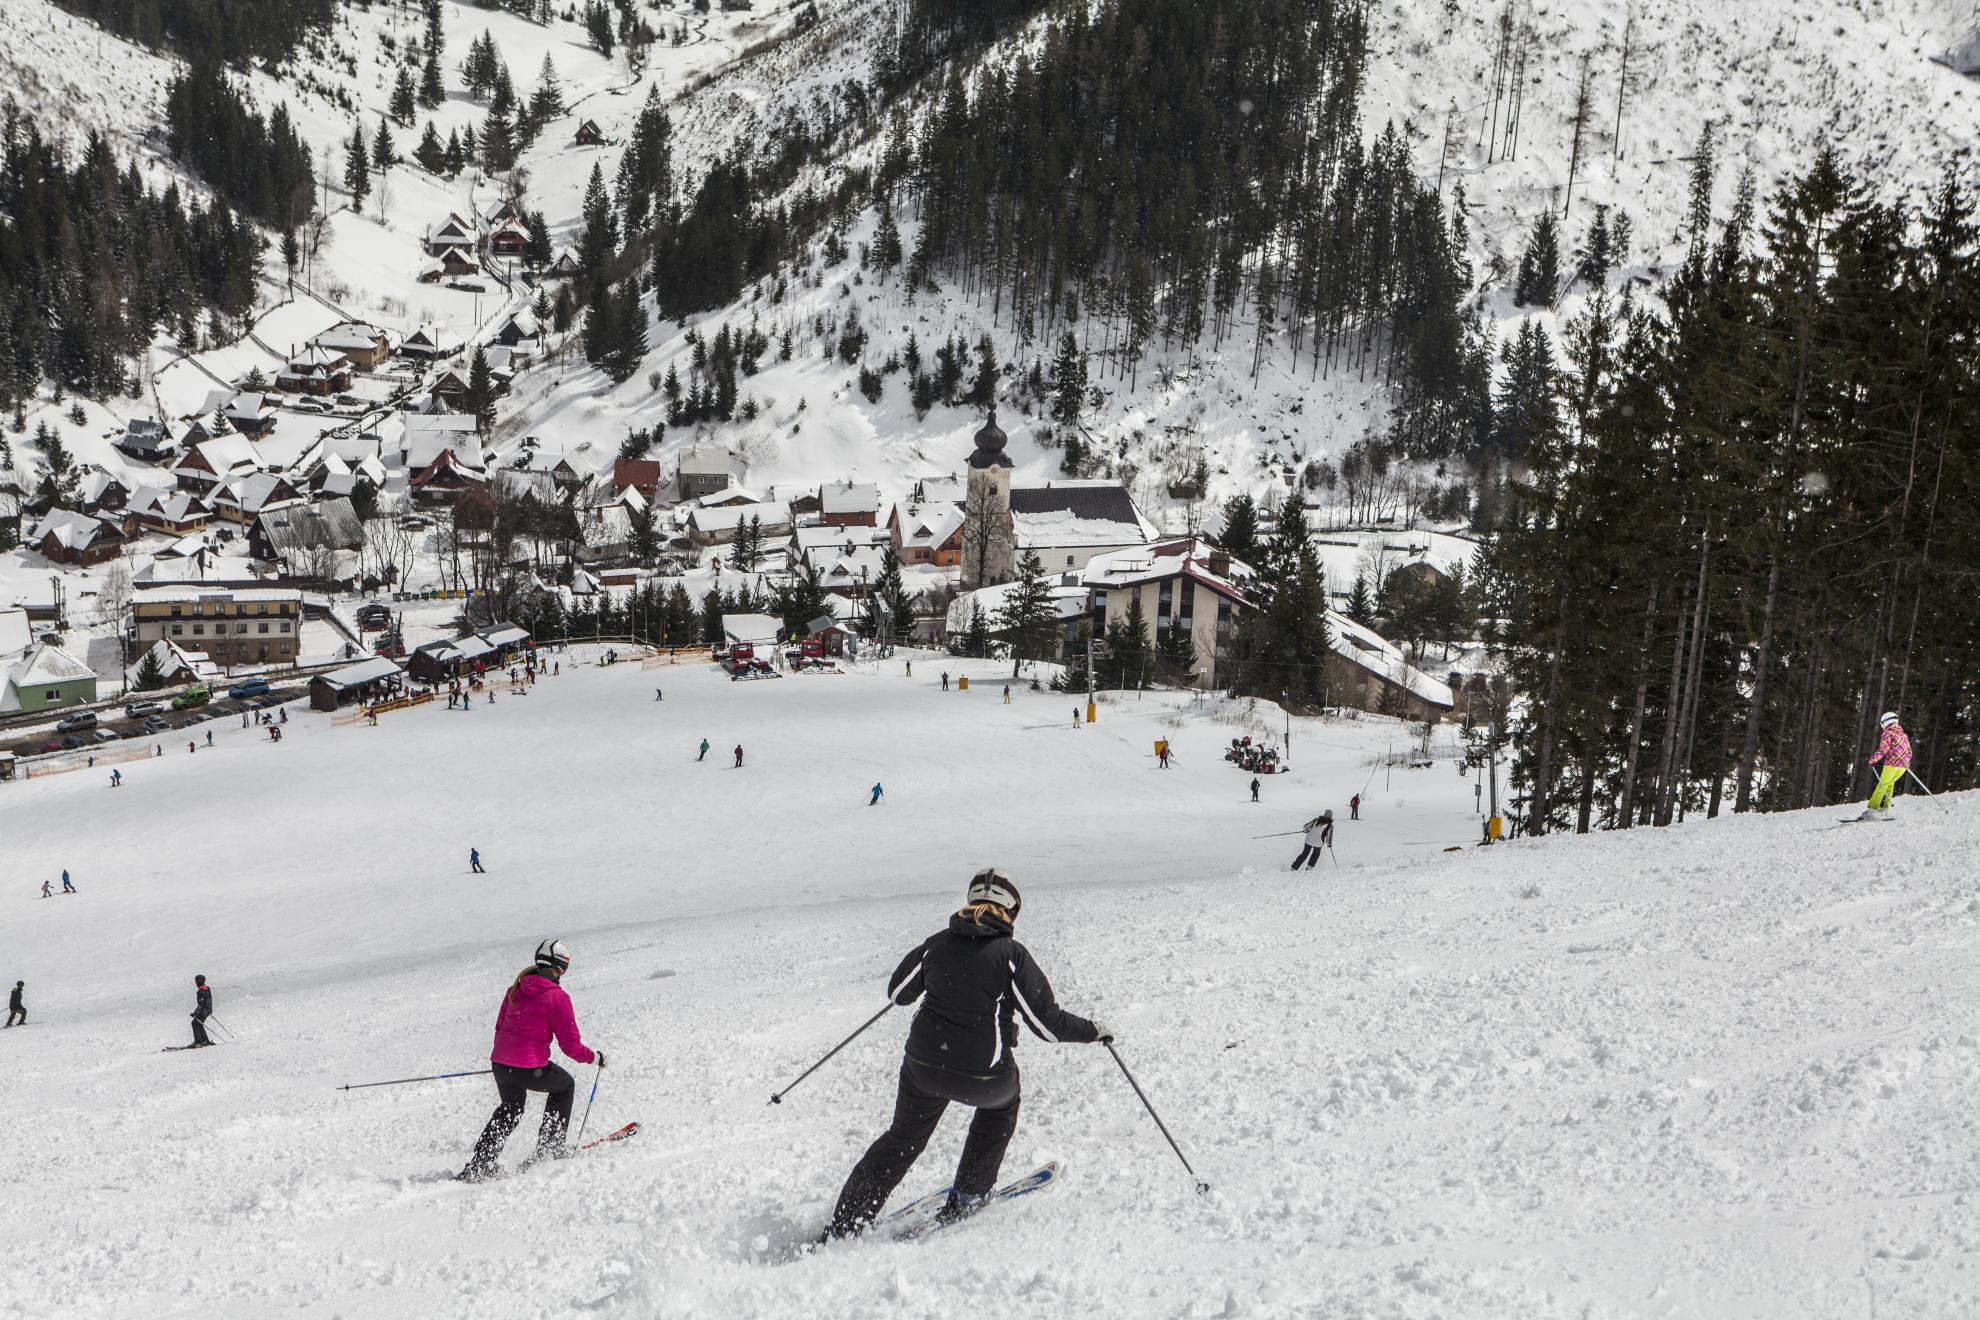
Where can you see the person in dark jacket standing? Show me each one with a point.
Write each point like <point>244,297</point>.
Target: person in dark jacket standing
<point>977,980</point>
<point>202,1010</point>
<point>738,764</point>
<point>15,1008</point>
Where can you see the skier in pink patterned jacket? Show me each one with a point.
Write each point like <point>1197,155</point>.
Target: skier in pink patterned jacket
<point>1894,755</point>
<point>535,1010</point>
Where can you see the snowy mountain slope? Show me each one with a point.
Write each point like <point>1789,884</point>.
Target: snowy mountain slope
<point>1776,85</point>
<point>1720,1070</point>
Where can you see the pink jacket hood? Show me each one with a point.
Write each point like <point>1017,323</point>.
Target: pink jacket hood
<point>533,1012</point>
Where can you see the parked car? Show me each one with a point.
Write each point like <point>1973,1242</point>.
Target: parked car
<point>52,745</point>
<point>157,724</point>
<point>254,687</point>
<point>73,741</point>
<point>307,405</point>
<point>106,735</point>
<point>137,710</point>
<point>191,720</point>
<point>82,719</point>
<point>192,696</point>
<point>349,401</point>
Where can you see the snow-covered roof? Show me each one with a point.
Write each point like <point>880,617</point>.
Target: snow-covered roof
<point>931,526</point>
<point>171,660</point>
<point>351,334</point>
<point>944,490</point>
<point>715,520</point>
<point>193,595</point>
<point>15,633</point>
<point>1185,558</point>
<point>828,538</point>
<point>845,497</point>
<point>1076,513</point>
<point>1368,649</point>
<point>50,664</point>
<point>168,505</point>
<point>746,629</point>
<point>72,531</point>
<point>509,635</point>
<point>705,461</point>
<point>364,671</point>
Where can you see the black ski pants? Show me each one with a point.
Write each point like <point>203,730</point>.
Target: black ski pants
<point>1310,855</point>
<point>513,1085</point>
<point>924,1094</point>
<point>20,1013</point>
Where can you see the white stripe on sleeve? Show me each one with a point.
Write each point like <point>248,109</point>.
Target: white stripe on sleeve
<point>1029,1016</point>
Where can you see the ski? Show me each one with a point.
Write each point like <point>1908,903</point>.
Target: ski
<point>168,1049</point>
<point>1035,1181</point>
<point>629,1130</point>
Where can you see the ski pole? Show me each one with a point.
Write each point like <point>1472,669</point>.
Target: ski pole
<point>402,1081</point>
<point>1280,835</point>
<point>1921,783</point>
<point>587,1104</point>
<point>223,1026</point>
<point>1201,1186</point>
<point>777,1098</point>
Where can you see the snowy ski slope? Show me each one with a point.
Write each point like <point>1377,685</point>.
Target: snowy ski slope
<point>1721,1070</point>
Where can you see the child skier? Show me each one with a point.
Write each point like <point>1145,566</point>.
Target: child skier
<point>535,1011</point>
<point>977,978</point>
<point>1354,807</point>
<point>1894,754</point>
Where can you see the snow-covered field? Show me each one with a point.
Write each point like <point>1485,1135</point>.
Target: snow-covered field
<point>1721,1070</point>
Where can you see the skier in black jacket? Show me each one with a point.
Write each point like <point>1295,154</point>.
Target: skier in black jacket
<point>14,1005</point>
<point>202,1010</point>
<point>977,980</point>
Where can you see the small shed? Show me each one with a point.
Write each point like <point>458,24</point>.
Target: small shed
<point>434,662</point>
<point>359,682</point>
<point>590,135</point>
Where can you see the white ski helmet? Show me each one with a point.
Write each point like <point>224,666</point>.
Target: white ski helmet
<point>552,953</point>
<point>1890,718</point>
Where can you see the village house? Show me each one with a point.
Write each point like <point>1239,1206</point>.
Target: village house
<point>175,665</point>
<point>453,232</point>
<point>173,512</point>
<point>1068,523</point>
<point>844,504</point>
<point>243,499</point>
<point>719,526</point>
<point>48,679</point>
<point>453,263</point>
<point>258,625</point>
<point>76,539</point>
<point>515,328</point>
<point>251,413</point>
<point>432,341</point>
<point>315,371</point>
<point>364,681</point>
<point>640,474</point>
<point>443,480</point>
<point>1187,584</point>
<point>102,493</point>
<point>703,470</point>
<point>590,135</point>
<point>1380,678</point>
<point>508,238</point>
<point>303,538</point>
<point>359,343</point>
<point>931,534</point>
<point>210,462</point>
<point>146,440</point>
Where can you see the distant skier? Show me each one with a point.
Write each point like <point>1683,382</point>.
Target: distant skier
<point>48,889</point>
<point>202,1010</point>
<point>474,860</point>
<point>977,978</point>
<point>1007,694</point>
<point>15,1008</point>
<point>1254,788</point>
<point>1162,754</point>
<point>910,668</point>
<point>738,764</point>
<point>656,695</point>
<point>209,737</point>
<point>878,793</point>
<point>704,751</point>
<point>1319,838</point>
<point>945,680</point>
<point>67,887</point>
<point>191,747</point>
<point>535,1011</point>
<point>1894,754</point>
<point>1354,807</point>
<point>116,779</point>
<point>1075,717</point>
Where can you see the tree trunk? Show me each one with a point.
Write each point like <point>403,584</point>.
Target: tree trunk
<point>1627,817</point>
<point>1750,750</point>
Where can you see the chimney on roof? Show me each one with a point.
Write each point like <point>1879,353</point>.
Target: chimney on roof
<point>1220,561</point>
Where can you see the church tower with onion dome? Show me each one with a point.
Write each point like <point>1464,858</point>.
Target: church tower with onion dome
<point>988,554</point>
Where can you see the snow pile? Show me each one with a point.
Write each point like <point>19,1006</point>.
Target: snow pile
<point>1719,1070</point>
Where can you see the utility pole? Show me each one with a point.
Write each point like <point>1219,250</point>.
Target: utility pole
<point>1089,675</point>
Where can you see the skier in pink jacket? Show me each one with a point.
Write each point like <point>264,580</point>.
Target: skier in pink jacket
<point>1894,755</point>
<point>534,1011</point>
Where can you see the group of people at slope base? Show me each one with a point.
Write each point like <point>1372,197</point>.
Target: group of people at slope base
<point>975,982</point>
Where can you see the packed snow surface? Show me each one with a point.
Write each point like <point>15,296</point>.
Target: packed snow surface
<point>1719,1070</point>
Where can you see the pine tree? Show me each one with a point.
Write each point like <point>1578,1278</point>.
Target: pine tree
<point>1240,534</point>
<point>1540,264</point>
<point>480,398</point>
<point>404,101</point>
<point>538,253</point>
<point>150,673</point>
<point>547,101</point>
<point>1359,607</point>
<point>1028,617</point>
<point>1068,381</point>
<point>384,152</point>
<point>357,168</point>
<point>456,157</point>
<point>432,87</point>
